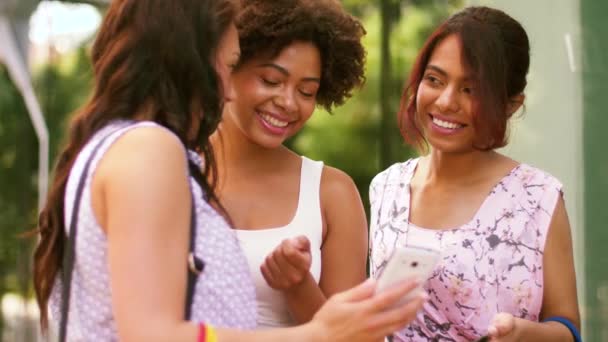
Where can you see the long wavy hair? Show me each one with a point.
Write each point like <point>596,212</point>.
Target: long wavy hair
<point>152,59</point>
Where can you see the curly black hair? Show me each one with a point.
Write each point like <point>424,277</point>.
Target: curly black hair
<point>266,27</point>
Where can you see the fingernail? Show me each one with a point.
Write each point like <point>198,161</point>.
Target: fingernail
<point>424,296</point>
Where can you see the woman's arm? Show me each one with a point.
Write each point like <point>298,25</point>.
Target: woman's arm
<point>344,248</point>
<point>355,315</point>
<point>145,211</point>
<point>559,297</point>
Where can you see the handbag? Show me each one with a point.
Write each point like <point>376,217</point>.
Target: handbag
<point>195,264</point>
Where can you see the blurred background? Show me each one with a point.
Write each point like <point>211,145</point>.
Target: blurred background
<point>45,75</point>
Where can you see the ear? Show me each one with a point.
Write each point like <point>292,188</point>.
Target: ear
<point>515,103</point>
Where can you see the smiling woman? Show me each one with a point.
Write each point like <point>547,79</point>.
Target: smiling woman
<point>295,218</point>
<point>507,264</point>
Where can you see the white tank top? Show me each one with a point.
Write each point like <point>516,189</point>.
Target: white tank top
<point>257,244</point>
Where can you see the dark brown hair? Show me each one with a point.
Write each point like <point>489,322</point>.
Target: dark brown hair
<point>268,26</point>
<point>496,51</point>
<point>151,58</point>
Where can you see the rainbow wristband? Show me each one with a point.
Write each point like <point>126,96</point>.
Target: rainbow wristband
<point>573,330</point>
<point>202,333</point>
<point>210,335</point>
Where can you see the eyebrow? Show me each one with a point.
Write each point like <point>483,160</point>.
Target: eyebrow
<point>437,69</point>
<point>286,72</point>
<point>443,72</point>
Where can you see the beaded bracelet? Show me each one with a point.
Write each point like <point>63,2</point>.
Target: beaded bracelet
<point>573,330</point>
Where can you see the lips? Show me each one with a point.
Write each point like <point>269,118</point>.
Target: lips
<point>273,121</point>
<point>445,123</point>
<point>273,124</point>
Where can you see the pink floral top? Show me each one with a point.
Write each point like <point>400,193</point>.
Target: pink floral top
<point>492,264</point>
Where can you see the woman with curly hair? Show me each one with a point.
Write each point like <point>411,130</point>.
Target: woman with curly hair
<point>301,224</point>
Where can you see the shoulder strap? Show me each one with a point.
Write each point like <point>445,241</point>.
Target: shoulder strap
<point>195,264</point>
<point>70,242</point>
<point>309,200</point>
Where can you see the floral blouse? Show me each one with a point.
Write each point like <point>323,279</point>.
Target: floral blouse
<point>492,264</point>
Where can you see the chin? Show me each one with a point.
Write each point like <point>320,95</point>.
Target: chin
<point>450,147</point>
<point>269,142</point>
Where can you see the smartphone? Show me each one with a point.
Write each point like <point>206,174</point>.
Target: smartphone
<point>410,262</point>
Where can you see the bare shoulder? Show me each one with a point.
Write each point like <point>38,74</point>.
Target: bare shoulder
<point>339,194</point>
<point>141,178</point>
<point>144,151</point>
<point>335,182</point>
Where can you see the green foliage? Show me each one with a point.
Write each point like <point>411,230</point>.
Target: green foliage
<point>18,159</point>
<point>62,87</point>
<point>18,195</point>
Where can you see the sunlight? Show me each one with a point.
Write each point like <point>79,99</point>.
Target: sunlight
<point>63,26</point>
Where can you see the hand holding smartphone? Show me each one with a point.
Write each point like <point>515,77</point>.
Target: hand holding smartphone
<point>409,262</point>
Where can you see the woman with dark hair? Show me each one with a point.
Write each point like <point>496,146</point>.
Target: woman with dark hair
<point>300,223</point>
<point>132,206</point>
<point>506,268</point>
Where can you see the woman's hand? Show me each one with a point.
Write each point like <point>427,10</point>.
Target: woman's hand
<point>288,265</point>
<point>360,315</point>
<point>504,327</point>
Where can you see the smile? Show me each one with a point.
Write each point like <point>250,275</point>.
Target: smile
<point>273,121</point>
<point>446,124</point>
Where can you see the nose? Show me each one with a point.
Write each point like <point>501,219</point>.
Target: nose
<point>448,100</point>
<point>286,100</point>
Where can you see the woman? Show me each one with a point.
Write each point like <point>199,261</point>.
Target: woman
<point>160,68</point>
<point>301,224</point>
<point>507,266</point>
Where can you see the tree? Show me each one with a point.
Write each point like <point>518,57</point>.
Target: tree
<point>17,173</point>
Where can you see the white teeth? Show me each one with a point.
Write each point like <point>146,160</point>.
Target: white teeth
<point>446,124</point>
<point>274,121</point>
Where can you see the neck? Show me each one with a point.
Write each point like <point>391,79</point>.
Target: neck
<point>454,168</point>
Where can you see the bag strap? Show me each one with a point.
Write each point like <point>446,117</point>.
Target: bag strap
<point>195,264</point>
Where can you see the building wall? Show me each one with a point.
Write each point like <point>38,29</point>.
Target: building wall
<point>594,35</point>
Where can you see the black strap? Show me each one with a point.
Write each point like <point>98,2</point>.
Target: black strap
<point>69,254</point>
<point>195,264</point>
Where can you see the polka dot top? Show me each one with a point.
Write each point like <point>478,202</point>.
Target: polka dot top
<point>224,294</point>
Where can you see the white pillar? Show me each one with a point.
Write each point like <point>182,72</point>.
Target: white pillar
<point>18,71</point>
